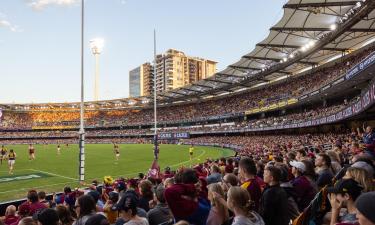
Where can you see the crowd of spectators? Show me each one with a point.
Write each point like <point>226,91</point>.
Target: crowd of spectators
<point>308,179</point>
<point>290,88</point>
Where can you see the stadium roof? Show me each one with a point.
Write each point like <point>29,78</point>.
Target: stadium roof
<point>310,33</point>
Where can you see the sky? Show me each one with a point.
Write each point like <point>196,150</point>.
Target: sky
<point>40,41</point>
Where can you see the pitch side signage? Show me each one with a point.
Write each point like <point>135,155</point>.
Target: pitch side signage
<point>361,66</point>
<point>182,135</point>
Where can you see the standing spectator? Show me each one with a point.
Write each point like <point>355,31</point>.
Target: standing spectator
<point>219,212</point>
<point>239,203</point>
<point>160,213</point>
<point>247,173</point>
<point>146,195</point>
<point>368,137</point>
<point>365,208</point>
<point>85,208</point>
<point>215,175</point>
<point>323,169</point>
<point>274,201</point>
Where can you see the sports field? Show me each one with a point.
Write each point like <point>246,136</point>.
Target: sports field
<point>50,171</point>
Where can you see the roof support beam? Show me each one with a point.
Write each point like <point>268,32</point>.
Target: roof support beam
<point>176,92</point>
<point>204,86</point>
<point>228,75</point>
<point>188,89</point>
<point>321,29</point>
<point>319,4</point>
<point>296,46</point>
<point>275,59</point>
<point>220,81</point>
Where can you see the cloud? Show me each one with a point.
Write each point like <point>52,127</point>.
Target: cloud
<point>7,24</point>
<point>42,4</point>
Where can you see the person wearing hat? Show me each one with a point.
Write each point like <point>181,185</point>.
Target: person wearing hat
<point>344,194</point>
<point>127,206</point>
<point>365,208</point>
<point>46,217</point>
<point>304,191</point>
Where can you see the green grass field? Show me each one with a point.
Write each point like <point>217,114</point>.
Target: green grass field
<point>54,171</point>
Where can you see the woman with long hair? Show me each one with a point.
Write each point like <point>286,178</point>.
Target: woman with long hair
<point>64,215</point>
<point>218,212</point>
<point>361,176</point>
<point>85,208</point>
<point>239,203</point>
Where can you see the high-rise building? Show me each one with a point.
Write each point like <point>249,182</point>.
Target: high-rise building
<point>174,69</point>
<point>141,80</point>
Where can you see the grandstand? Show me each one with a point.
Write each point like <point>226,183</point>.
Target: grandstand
<point>301,95</point>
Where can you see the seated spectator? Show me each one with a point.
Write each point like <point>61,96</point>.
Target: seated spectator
<point>23,211</point>
<point>304,190</point>
<point>42,199</point>
<point>344,194</point>
<point>33,202</point>
<point>109,213</point>
<point>10,215</point>
<point>97,219</point>
<point>127,206</point>
<point>85,208</point>
<point>46,217</point>
<point>365,208</point>
<point>239,203</point>
<point>323,169</point>
<point>27,221</point>
<point>361,176</point>
<point>160,213</point>
<point>64,215</point>
<point>274,203</point>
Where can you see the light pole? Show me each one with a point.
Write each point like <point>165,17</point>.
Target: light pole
<point>96,46</point>
<point>81,158</point>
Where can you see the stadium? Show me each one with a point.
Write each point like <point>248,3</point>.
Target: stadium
<point>288,127</point>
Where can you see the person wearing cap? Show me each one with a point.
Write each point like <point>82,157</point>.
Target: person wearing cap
<point>304,191</point>
<point>344,194</point>
<point>127,206</point>
<point>365,208</point>
<point>46,217</point>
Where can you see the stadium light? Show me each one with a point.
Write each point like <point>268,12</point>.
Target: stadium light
<point>96,46</point>
<point>333,27</point>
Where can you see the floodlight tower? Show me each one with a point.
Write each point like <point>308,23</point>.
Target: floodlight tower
<point>96,46</point>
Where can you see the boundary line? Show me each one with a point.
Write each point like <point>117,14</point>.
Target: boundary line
<point>54,174</point>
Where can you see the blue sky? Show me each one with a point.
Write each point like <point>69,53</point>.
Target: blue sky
<point>40,41</point>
